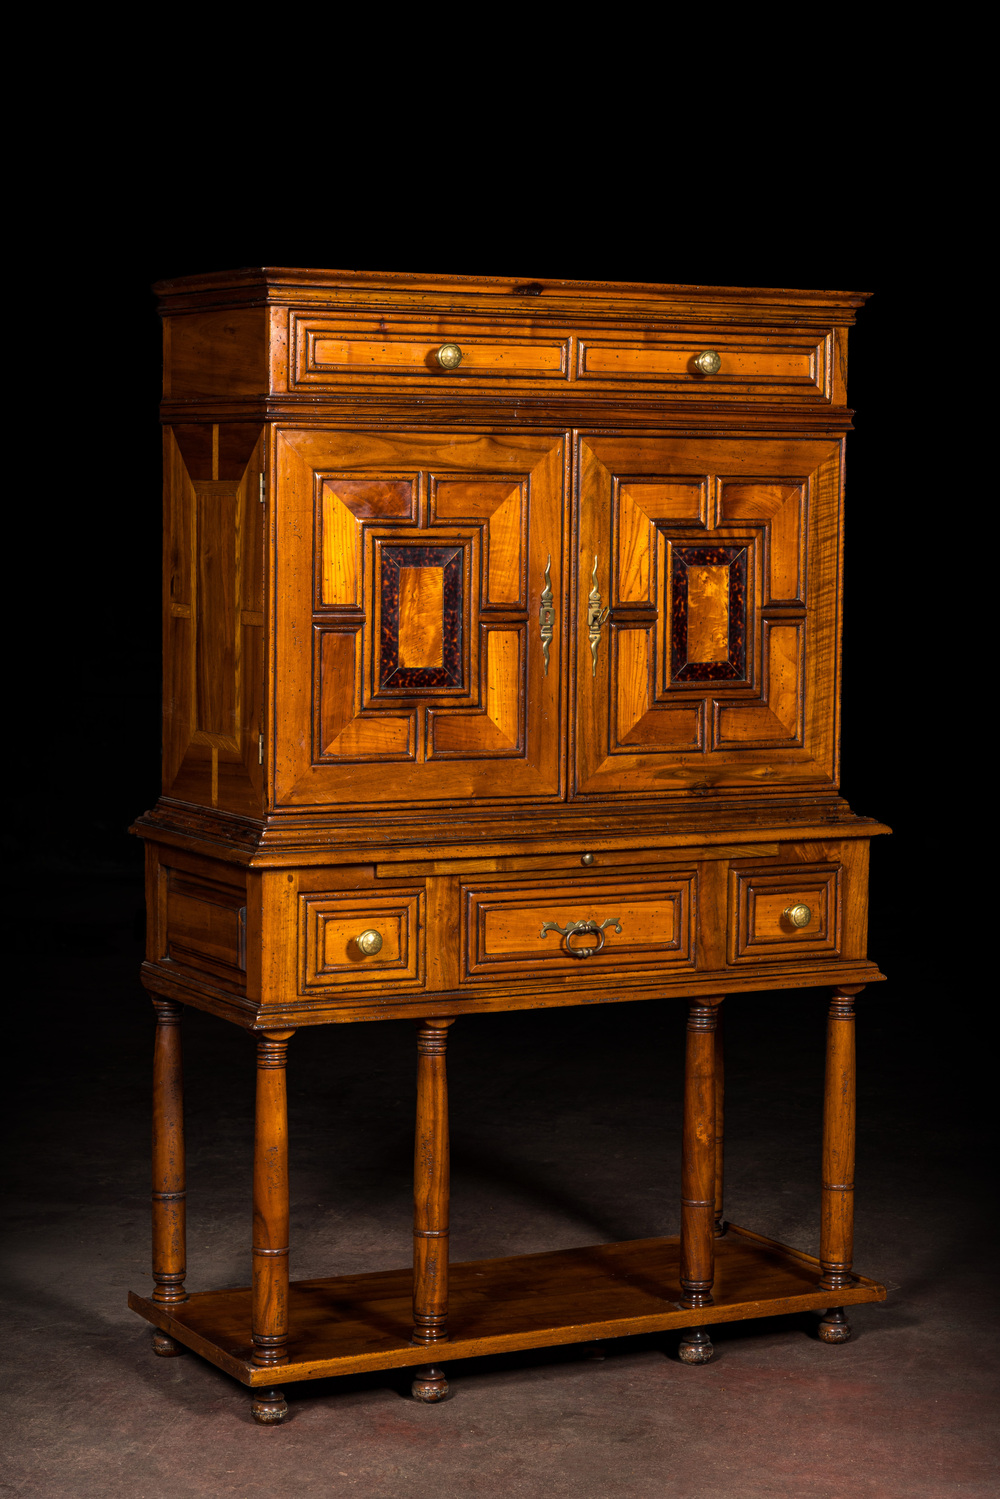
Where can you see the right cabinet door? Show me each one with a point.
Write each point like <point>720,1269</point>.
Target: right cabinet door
<point>708,609</point>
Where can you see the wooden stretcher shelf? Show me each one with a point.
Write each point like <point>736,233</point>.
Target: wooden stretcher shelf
<point>347,1324</point>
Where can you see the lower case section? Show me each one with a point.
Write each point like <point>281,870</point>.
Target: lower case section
<point>347,1324</point>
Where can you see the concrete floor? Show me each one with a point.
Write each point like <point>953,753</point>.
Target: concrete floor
<point>566,1131</point>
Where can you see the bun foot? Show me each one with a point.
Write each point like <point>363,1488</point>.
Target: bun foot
<point>165,1346</point>
<point>268,1407</point>
<point>834,1326</point>
<point>429,1385</point>
<point>696,1346</point>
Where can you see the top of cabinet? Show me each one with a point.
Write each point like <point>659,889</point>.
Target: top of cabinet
<point>266,284</point>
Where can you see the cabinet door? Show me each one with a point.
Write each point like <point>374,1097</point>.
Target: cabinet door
<point>717,665</point>
<point>409,572</point>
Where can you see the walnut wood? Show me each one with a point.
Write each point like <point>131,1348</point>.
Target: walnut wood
<point>698,1157</point>
<point>695,1346</point>
<point>345,1325</point>
<point>164,1346</point>
<point>430,1385</point>
<point>270,1203</point>
<point>837,1221</point>
<point>431,1186</point>
<point>834,1326</point>
<point>169,1226</point>
<point>719,1226</point>
<point>269,1407</point>
<point>362,731</point>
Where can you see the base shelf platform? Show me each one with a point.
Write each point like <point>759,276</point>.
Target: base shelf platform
<point>353,1323</point>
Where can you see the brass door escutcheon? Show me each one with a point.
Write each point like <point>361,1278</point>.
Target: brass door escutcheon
<point>596,615</point>
<point>546,616</point>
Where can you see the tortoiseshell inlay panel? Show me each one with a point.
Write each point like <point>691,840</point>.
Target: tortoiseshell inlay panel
<point>440,664</point>
<point>709,639</point>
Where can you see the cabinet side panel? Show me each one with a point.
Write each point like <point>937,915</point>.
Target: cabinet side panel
<point>216,354</point>
<point>213,616</point>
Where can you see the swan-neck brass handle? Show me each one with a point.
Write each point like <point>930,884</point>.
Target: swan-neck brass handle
<point>573,928</point>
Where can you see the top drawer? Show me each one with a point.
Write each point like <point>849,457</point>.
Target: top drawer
<point>333,351</point>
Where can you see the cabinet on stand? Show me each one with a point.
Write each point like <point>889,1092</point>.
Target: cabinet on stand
<point>501,671</point>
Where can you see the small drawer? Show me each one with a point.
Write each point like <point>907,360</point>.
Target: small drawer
<point>763,905</point>
<point>331,955</point>
<point>780,366</point>
<point>527,931</point>
<point>330,351</point>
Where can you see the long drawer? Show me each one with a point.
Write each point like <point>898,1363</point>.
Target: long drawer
<point>774,363</point>
<point>545,927</point>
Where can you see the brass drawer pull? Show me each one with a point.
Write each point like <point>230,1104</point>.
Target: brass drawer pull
<point>449,356</point>
<point>799,915</point>
<point>571,929</point>
<point>708,363</point>
<point>370,943</point>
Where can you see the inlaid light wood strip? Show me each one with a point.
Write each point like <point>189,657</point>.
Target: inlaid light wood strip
<point>635,548</point>
<point>503,681</point>
<point>633,678</point>
<point>340,565</point>
<point>504,585</point>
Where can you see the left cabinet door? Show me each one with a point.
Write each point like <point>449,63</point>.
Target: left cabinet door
<point>409,572</point>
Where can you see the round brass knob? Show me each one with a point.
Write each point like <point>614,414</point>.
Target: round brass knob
<point>708,363</point>
<point>370,943</point>
<point>798,915</point>
<point>586,859</point>
<point>449,356</point>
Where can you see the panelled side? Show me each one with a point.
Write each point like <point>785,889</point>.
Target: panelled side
<point>213,616</point>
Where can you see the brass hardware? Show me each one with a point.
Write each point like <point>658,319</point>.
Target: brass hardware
<point>586,859</point>
<point>449,356</point>
<point>546,616</point>
<point>572,928</point>
<point>370,943</point>
<point>798,915</point>
<point>596,615</point>
<point>708,363</point>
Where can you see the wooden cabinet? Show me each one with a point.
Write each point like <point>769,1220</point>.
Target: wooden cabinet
<point>501,670</point>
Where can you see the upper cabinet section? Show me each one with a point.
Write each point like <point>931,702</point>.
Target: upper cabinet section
<point>290,336</point>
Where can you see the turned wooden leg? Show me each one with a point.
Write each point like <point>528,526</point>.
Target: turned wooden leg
<point>720,1225</point>
<point>430,1204</point>
<point>698,1175</point>
<point>169,1235</point>
<point>268,1407</point>
<point>269,1324</point>
<point>836,1245</point>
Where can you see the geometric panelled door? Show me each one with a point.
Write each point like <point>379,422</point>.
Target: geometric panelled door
<point>711,614</point>
<point>410,577</point>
